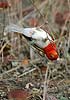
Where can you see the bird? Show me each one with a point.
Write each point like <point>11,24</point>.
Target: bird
<point>37,37</point>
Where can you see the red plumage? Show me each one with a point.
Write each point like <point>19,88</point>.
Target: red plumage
<point>51,51</point>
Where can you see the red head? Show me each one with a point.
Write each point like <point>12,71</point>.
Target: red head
<point>51,51</point>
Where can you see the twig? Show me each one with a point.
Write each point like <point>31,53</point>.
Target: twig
<point>33,12</point>
<point>46,83</point>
